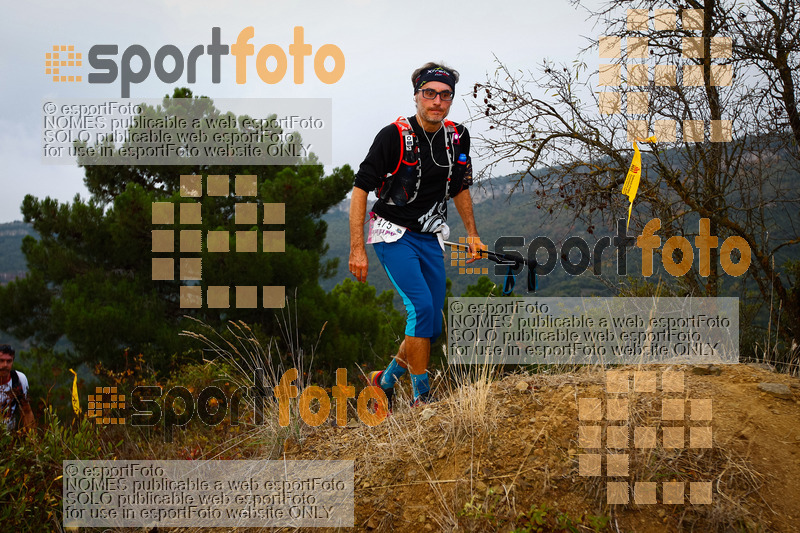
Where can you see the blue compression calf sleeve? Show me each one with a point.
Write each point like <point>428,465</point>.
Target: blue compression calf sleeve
<point>391,374</point>
<point>419,383</point>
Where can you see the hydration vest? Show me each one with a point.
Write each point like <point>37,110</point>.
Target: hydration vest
<point>14,395</point>
<point>400,186</point>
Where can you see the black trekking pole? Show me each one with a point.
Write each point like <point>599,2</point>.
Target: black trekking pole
<point>513,262</point>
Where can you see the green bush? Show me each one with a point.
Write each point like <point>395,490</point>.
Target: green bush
<point>31,470</point>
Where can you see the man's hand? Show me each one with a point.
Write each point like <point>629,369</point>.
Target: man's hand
<point>475,247</point>
<point>359,264</point>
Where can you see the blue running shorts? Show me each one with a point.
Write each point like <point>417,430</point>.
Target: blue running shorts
<point>415,266</point>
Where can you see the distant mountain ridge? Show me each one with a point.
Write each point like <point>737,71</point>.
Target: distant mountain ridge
<point>12,261</point>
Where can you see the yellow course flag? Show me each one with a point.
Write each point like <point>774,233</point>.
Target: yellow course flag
<point>631,186</point>
<point>76,404</point>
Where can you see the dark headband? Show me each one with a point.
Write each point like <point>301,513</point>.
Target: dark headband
<point>434,74</point>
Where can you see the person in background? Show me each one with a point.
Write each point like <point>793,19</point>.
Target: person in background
<point>13,393</point>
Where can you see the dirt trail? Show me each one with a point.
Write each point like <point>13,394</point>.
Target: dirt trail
<point>480,465</point>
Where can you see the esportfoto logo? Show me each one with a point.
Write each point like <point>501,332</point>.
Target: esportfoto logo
<point>734,264</point>
<point>56,60</point>
<point>171,64</point>
<point>151,405</point>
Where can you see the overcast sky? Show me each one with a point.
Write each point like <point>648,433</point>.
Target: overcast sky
<point>383,42</point>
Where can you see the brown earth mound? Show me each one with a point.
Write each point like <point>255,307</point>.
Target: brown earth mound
<point>511,455</point>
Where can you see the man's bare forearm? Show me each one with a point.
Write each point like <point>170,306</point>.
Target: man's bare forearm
<point>463,203</point>
<point>358,210</point>
<point>359,264</point>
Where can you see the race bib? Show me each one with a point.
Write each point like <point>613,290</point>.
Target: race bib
<point>381,230</point>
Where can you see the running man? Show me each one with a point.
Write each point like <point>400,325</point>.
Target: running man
<point>415,165</point>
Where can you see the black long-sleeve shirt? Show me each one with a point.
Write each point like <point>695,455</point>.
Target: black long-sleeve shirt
<point>428,210</point>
